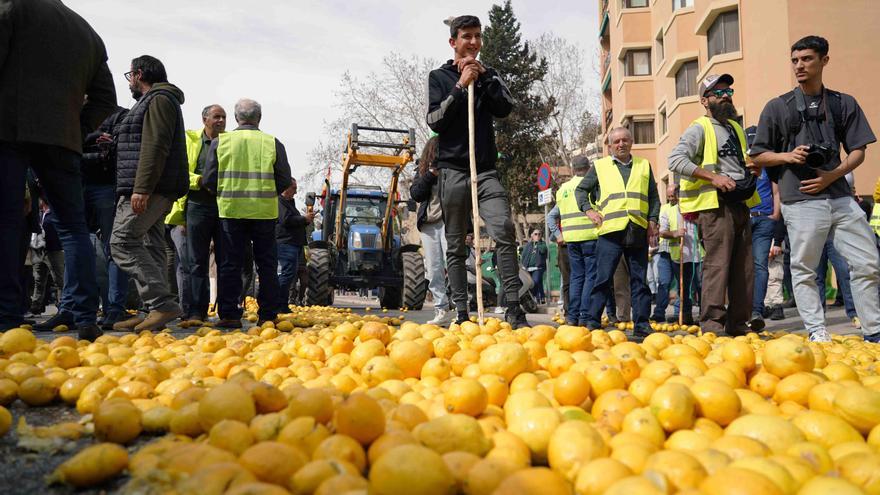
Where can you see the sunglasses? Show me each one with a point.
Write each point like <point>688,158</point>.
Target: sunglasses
<point>720,93</point>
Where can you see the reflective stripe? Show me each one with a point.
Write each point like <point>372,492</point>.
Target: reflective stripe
<point>247,194</point>
<point>229,174</point>
<point>622,214</point>
<point>612,196</point>
<point>567,216</point>
<point>580,227</point>
<point>696,192</point>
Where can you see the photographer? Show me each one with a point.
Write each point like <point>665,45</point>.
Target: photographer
<point>799,138</point>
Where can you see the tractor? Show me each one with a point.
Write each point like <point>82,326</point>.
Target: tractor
<point>358,245</point>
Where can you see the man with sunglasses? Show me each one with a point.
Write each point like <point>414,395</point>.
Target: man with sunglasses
<point>717,188</point>
<point>798,141</point>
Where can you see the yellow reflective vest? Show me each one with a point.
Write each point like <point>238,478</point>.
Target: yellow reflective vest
<point>875,218</point>
<point>576,226</point>
<point>246,175</point>
<point>193,148</point>
<point>698,194</point>
<point>619,203</point>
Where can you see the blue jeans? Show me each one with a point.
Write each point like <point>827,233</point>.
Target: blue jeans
<point>100,205</point>
<point>59,174</point>
<point>180,238</point>
<point>762,236</point>
<point>609,249</point>
<point>582,276</point>
<point>288,259</point>
<point>841,270</point>
<point>668,270</point>
<point>236,234</point>
<point>538,281</point>
<point>202,226</point>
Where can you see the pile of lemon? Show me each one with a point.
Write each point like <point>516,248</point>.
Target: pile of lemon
<point>327,402</point>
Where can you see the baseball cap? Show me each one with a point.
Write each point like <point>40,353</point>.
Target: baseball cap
<point>711,80</point>
<point>580,162</point>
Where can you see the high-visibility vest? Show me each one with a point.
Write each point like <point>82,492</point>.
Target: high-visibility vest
<point>698,194</point>
<point>193,148</point>
<point>875,218</point>
<point>576,226</point>
<point>246,176</point>
<point>619,203</point>
<point>675,244</point>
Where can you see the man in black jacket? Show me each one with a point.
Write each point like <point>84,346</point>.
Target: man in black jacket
<point>448,117</point>
<point>290,232</point>
<point>50,59</point>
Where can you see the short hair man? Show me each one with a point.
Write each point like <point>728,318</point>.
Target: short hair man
<point>448,117</point>
<point>150,176</point>
<point>247,169</point>
<point>679,244</point>
<point>579,234</point>
<point>51,60</point>
<point>620,196</point>
<point>798,141</point>
<point>197,211</point>
<point>710,158</point>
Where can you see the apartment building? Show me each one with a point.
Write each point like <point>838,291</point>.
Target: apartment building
<point>655,52</point>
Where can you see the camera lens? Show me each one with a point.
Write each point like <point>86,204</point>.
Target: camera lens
<point>815,159</point>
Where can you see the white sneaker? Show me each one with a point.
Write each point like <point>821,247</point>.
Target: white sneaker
<point>442,317</point>
<point>498,310</point>
<point>820,336</point>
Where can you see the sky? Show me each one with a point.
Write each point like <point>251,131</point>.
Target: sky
<point>290,55</point>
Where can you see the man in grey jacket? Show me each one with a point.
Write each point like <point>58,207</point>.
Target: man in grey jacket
<point>51,61</point>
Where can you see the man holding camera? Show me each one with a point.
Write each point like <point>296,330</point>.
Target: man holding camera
<point>799,139</point>
<point>717,187</point>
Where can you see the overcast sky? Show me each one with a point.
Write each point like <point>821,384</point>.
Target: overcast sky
<point>289,55</point>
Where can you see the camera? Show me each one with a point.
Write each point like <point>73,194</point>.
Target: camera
<point>818,155</point>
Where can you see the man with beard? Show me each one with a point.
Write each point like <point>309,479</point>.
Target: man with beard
<point>151,173</point>
<point>717,188</point>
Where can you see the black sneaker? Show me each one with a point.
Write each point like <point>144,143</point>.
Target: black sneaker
<point>461,317</point>
<point>61,318</point>
<point>756,324</point>
<point>111,318</point>
<point>875,338</point>
<point>639,334</point>
<point>89,333</point>
<point>777,313</point>
<point>516,317</point>
<point>229,323</point>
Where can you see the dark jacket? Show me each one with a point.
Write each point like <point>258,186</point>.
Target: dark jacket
<point>99,161</point>
<point>49,59</point>
<point>291,226</point>
<point>151,145</point>
<point>534,255</point>
<point>448,116</point>
<point>281,168</point>
<point>420,190</point>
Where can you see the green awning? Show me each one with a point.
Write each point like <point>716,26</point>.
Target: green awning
<point>604,25</point>
<point>607,82</point>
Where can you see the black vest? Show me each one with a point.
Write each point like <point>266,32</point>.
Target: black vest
<point>174,181</point>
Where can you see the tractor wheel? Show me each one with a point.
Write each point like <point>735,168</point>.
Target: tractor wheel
<point>415,285</point>
<point>319,292</point>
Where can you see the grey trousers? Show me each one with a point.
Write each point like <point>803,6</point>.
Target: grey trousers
<point>455,199</point>
<point>138,247</point>
<point>49,262</point>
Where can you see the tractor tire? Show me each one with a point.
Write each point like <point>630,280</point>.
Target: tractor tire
<point>415,285</point>
<point>319,291</point>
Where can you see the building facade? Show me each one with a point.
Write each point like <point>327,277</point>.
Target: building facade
<point>655,52</point>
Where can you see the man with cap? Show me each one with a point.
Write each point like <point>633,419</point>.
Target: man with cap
<point>579,234</point>
<point>717,187</point>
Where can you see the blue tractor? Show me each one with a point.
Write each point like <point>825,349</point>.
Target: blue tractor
<point>358,245</point>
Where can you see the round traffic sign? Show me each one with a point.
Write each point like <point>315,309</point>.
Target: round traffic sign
<point>545,177</point>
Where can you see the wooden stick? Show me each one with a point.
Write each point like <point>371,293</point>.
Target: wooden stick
<point>681,274</point>
<point>478,262</point>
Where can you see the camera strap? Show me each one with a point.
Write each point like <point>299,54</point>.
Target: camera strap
<point>806,120</point>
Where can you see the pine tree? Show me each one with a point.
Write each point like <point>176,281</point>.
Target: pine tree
<point>521,136</point>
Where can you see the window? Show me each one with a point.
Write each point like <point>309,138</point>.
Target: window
<point>681,4</point>
<point>663,122</point>
<point>686,80</point>
<point>638,63</point>
<point>659,47</point>
<point>724,34</point>
<point>643,131</point>
<point>634,4</point>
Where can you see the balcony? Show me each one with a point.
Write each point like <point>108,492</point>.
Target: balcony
<point>609,117</point>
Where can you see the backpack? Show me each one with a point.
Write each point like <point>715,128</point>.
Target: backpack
<point>795,120</point>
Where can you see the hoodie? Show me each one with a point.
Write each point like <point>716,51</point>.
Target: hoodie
<point>448,116</point>
<point>160,131</point>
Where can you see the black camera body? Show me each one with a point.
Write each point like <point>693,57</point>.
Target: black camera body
<point>818,155</point>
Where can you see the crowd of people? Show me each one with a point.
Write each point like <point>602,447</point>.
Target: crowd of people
<point>91,187</point>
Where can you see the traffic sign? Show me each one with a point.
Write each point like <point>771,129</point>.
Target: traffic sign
<point>545,197</point>
<point>545,177</point>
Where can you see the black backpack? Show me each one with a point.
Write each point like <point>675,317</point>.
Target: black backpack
<point>797,116</point>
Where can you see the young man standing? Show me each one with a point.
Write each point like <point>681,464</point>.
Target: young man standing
<point>448,117</point>
<point>579,235</point>
<point>798,141</point>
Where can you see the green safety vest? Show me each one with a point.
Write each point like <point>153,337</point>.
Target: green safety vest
<point>576,226</point>
<point>246,175</point>
<point>675,244</point>
<point>193,148</point>
<point>698,194</point>
<point>875,218</point>
<point>621,204</point>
